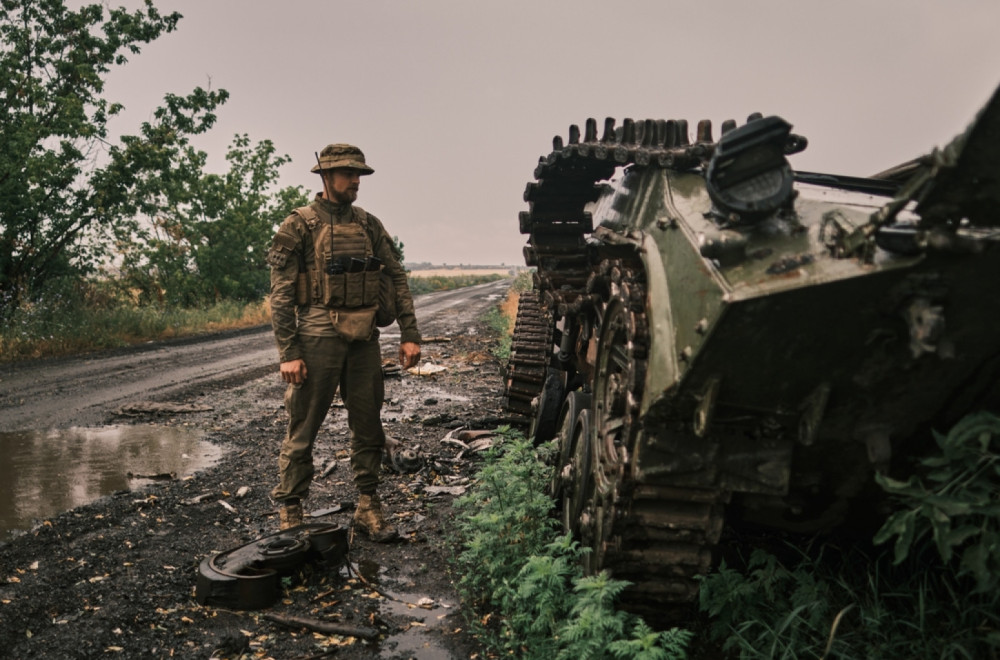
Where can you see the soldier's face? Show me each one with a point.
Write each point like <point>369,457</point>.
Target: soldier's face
<point>342,184</point>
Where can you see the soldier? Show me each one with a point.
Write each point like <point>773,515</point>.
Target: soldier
<point>331,263</point>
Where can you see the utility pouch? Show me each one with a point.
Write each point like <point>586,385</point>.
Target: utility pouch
<point>386,314</point>
<point>336,290</point>
<point>354,324</point>
<point>371,287</point>
<point>354,289</point>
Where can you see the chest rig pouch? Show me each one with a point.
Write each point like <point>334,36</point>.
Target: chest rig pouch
<point>344,275</point>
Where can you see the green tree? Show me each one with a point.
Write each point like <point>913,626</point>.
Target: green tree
<point>63,185</point>
<point>211,241</point>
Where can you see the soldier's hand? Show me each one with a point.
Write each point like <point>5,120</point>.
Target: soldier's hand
<point>293,371</point>
<point>409,354</point>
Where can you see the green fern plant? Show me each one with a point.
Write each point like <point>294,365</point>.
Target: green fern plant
<point>593,619</point>
<point>648,644</point>
<point>505,519</point>
<point>543,596</point>
<point>526,581</point>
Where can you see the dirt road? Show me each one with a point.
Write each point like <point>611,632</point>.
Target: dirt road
<point>117,577</point>
<point>81,391</point>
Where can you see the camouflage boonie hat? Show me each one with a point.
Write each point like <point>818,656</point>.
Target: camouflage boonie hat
<point>342,155</point>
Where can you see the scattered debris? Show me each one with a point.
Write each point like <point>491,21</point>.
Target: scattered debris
<point>481,445</point>
<point>161,408</point>
<point>445,490</point>
<point>242,492</point>
<point>161,476</point>
<point>323,627</point>
<point>426,369</point>
<point>227,506</point>
<point>197,499</point>
<point>330,467</point>
<point>400,458</point>
<point>319,513</point>
<point>452,441</point>
<point>470,434</point>
<point>435,340</point>
<point>438,420</point>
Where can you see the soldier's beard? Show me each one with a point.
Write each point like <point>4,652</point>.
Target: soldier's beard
<point>346,197</point>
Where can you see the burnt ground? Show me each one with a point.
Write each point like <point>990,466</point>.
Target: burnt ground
<point>117,578</point>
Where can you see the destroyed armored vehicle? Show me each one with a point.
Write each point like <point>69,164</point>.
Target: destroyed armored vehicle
<point>714,337</point>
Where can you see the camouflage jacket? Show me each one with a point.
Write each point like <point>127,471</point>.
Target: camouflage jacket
<point>292,244</point>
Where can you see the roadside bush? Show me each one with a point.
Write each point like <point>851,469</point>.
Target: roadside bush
<point>76,316</point>
<point>524,583</point>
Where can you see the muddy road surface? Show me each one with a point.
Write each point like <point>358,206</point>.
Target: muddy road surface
<point>117,577</point>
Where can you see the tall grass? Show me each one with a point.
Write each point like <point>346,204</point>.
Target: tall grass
<point>501,318</point>
<point>88,318</point>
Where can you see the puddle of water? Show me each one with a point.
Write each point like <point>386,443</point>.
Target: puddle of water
<point>416,642</point>
<point>43,473</point>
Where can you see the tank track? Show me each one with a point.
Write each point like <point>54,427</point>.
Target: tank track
<point>657,537</point>
<point>530,354</point>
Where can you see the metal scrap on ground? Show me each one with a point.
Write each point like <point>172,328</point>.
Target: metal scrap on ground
<point>426,369</point>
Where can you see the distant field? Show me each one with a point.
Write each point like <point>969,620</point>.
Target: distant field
<point>459,272</point>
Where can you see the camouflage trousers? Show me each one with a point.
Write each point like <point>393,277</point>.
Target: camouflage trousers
<point>356,368</point>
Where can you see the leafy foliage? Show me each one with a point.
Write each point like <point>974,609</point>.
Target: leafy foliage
<point>61,181</point>
<point>844,604</point>
<point>958,503</point>
<point>211,240</point>
<point>847,605</point>
<point>769,609</point>
<point>514,567</point>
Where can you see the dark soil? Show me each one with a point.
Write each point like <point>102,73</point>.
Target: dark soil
<point>117,578</point>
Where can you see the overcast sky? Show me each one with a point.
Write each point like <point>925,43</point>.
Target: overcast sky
<point>453,101</point>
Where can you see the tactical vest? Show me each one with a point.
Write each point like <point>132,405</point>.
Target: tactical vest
<point>343,272</point>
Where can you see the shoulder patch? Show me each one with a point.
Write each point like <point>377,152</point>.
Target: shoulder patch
<point>281,249</point>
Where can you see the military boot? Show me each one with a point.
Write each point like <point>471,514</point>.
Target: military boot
<point>368,517</point>
<point>290,514</point>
